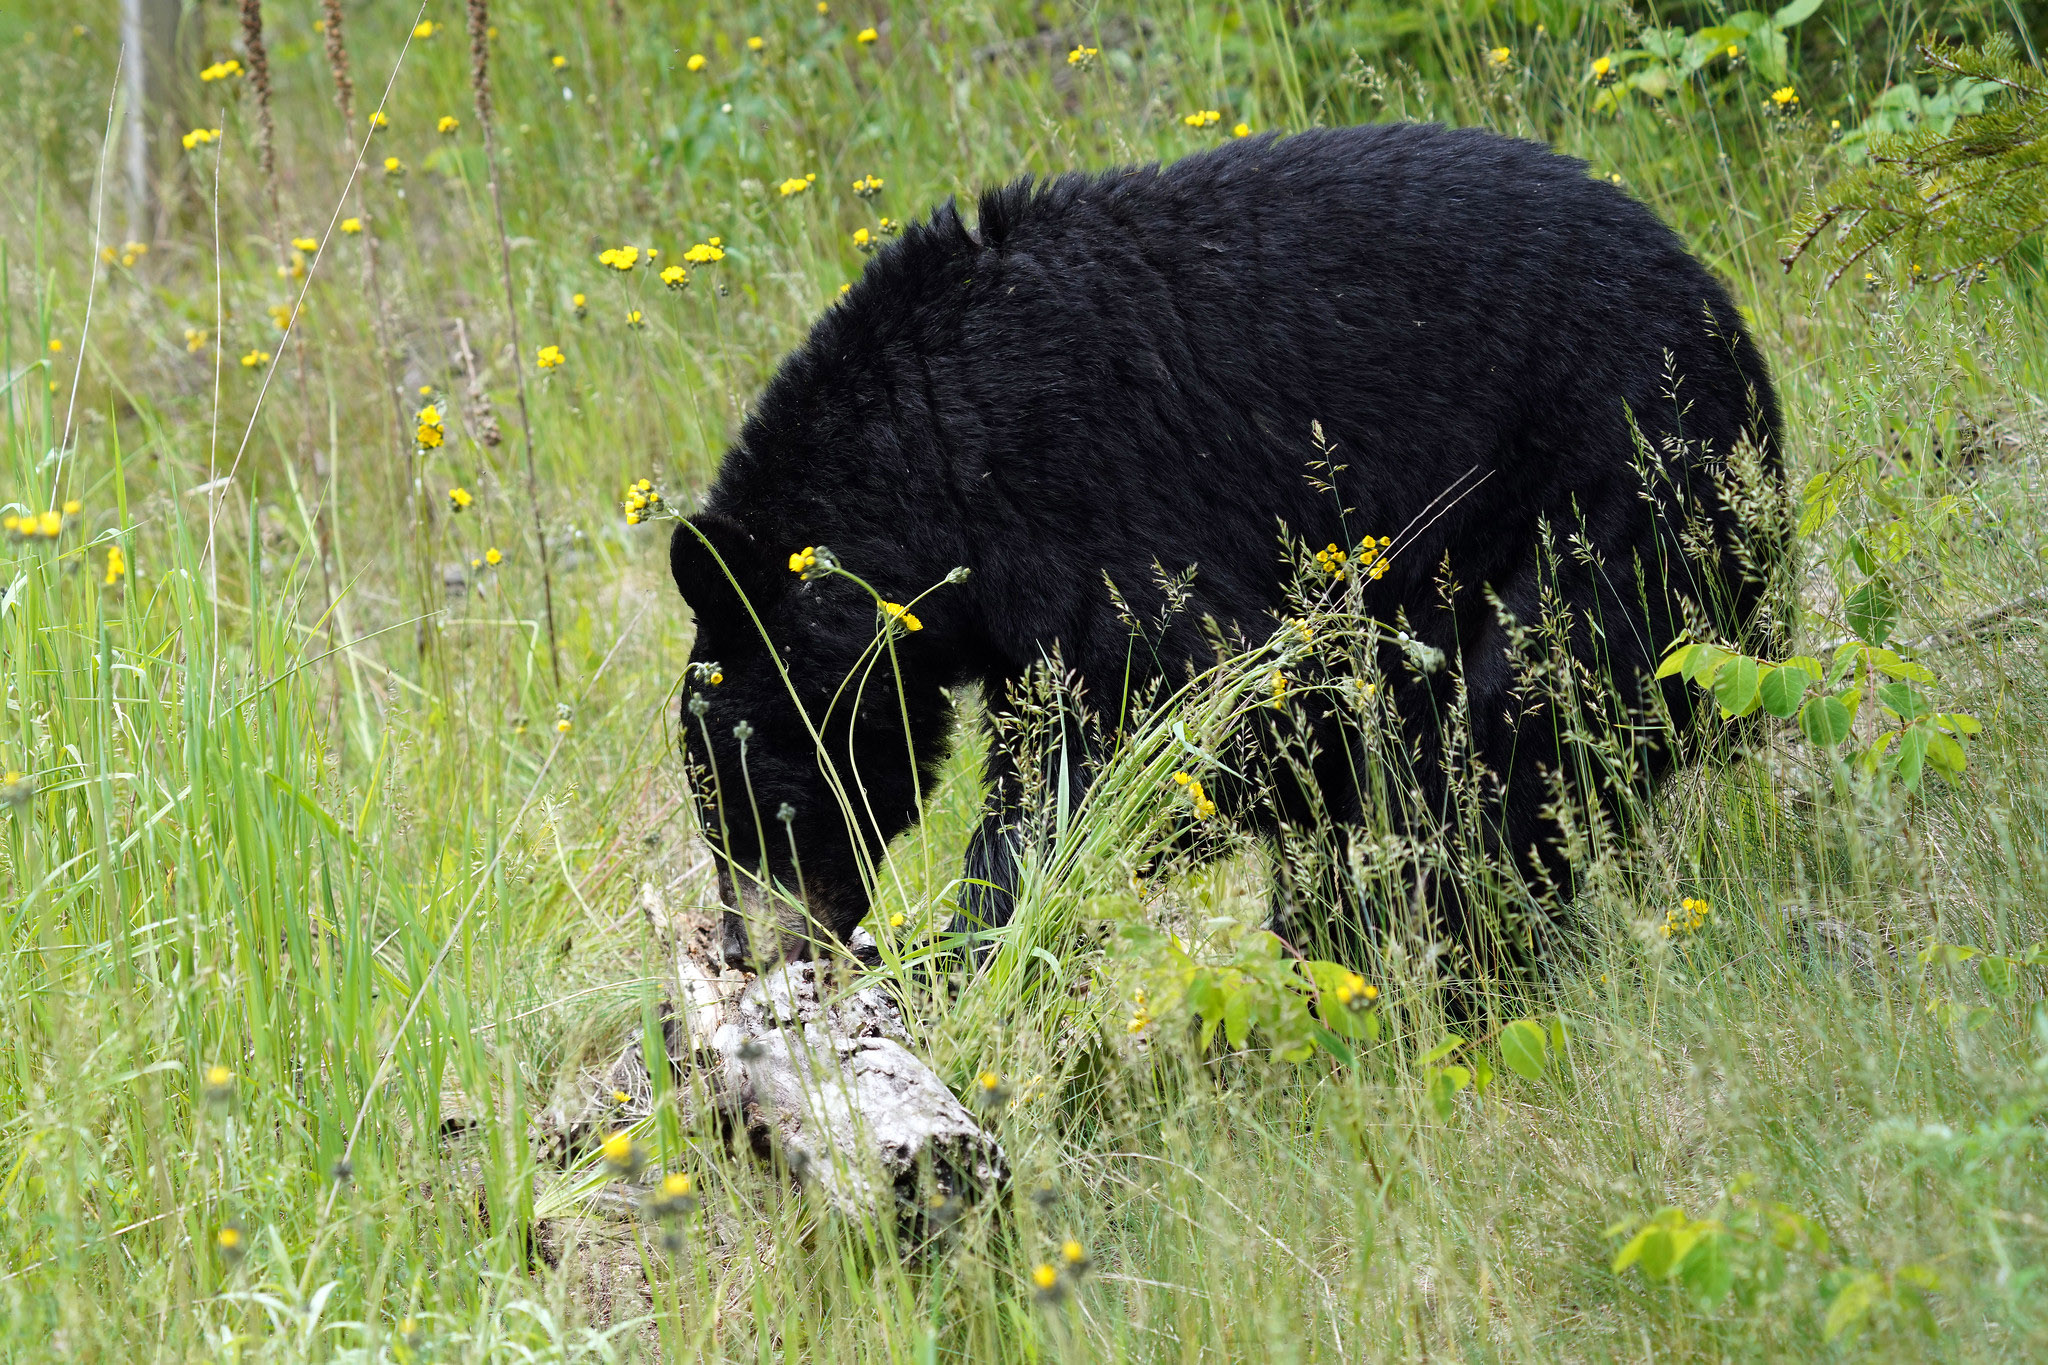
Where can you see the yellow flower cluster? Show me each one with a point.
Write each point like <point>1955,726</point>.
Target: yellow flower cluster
<point>1687,919</point>
<point>696,62</point>
<point>351,226</point>
<point>704,253</point>
<point>428,430</point>
<point>896,611</point>
<point>1202,118</point>
<point>551,357</point>
<point>200,137</point>
<point>642,502</point>
<point>795,185</point>
<point>393,166</point>
<point>675,277</point>
<point>1353,992</point>
<point>1241,130</point>
<point>1277,685</point>
<point>1141,1018</point>
<point>868,186</point>
<point>1784,97</point>
<point>804,560</point>
<point>128,255</point>
<point>620,1153</point>
<point>46,525</point>
<point>195,341</point>
<point>425,28</point>
<point>448,124</point>
<point>756,44</point>
<point>255,360</point>
<point>866,35</point>
<point>305,244</point>
<point>379,119</point>
<point>493,558</point>
<point>1204,807</point>
<point>117,565</point>
<point>459,499</point>
<point>1083,57</point>
<point>221,71</point>
<point>634,320</point>
<point>1372,560</point>
<point>1498,58</point>
<point>863,240</point>
<point>558,61</point>
<point>619,258</point>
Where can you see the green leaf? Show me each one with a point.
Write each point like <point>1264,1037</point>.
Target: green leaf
<point>1902,701</point>
<point>1705,662</point>
<point>1781,688</point>
<point>1521,1048</point>
<point>1237,1014</point>
<point>1946,755</point>
<point>1559,1036</point>
<point>1451,1043</point>
<point>1798,12</point>
<point>1735,686</point>
<point>1444,1085</point>
<point>1852,1304</point>
<point>1998,976</point>
<point>1905,765</point>
<point>1707,1272</point>
<point>1825,721</point>
<point>1872,610</point>
<point>1677,658</point>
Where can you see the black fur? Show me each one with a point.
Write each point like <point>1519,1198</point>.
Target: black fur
<point>1120,368</point>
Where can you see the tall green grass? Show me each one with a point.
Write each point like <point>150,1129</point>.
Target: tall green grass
<point>366,856</point>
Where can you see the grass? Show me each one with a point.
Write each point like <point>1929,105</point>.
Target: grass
<point>368,856</point>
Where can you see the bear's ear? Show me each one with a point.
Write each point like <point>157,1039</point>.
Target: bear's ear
<point>721,571</point>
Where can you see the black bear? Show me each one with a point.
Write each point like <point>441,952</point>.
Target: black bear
<point>1116,372</point>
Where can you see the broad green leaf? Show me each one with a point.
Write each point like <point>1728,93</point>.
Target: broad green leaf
<point>1521,1048</point>
<point>1797,12</point>
<point>1735,686</point>
<point>1948,954</point>
<point>1237,1014</point>
<point>1912,751</point>
<point>1676,658</point>
<point>1902,701</point>
<point>1451,1043</point>
<point>1872,610</point>
<point>1482,1074</point>
<point>1444,1085</point>
<point>1891,665</point>
<point>1999,979</point>
<point>1961,722</point>
<point>1706,1271</point>
<point>1559,1036</point>
<point>1825,721</point>
<point>1946,756</point>
<point>1853,1303</point>
<point>1782,687</point>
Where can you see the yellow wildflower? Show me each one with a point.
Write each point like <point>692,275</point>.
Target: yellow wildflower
<point>620,258</point>
<point>195,340</point>
<point>866,35</point>
<point>305,244</point>
<point>868,186</point>
<point>117,565</point>
<point>393,166</point>
<point>56,345</point>
<point>1083,57</point>
<point>620,1152</point>
<point>1603,68</point>
<point>50,524</point>
<point>1784,96</point>
<point>696,62</point>
<point>704,253</point>
<point>379,119</point>
<point>459,499</point>
<point>351,226</point>
<point>1202,118</point>
<point>823,9</point>
<point>551,356</point>
<point>558,61</point>
<point>1241,130</point>
<point>675,277</point>
<point>1045,1277</point>
<point>254,359</point>
<point>564,725</point>
<point>200,137</point>
<point>221,71</point>
<point>448,124</point>
<point>430,433</point>
<point>633,319</point>
<point>795,185</point>
<point>756,44</point>
<point>1278,686</point>
<point>493,558</point>
<point>425,28</point>
<point>898,612</point>
<point>804,559</point>
<point>863,240</point>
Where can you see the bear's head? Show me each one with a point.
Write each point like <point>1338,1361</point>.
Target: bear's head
<point>809,732</point>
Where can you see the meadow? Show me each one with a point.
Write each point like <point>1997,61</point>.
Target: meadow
<point>344,833</point>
